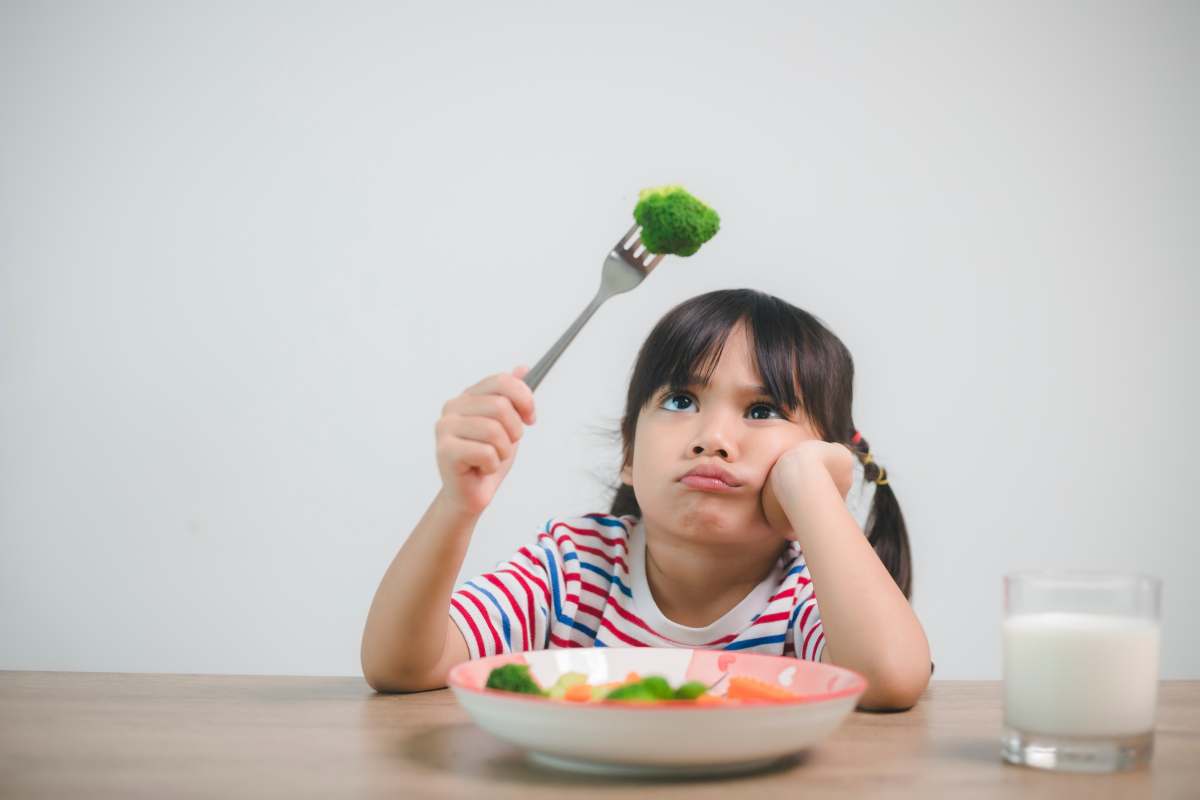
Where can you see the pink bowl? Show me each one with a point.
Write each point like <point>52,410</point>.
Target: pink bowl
<point>660,738</point>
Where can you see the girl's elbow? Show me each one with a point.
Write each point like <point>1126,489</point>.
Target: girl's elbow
<point>383,675</point>
<point>895,688</point>
<point>381,680</point>
<point>393,682</point>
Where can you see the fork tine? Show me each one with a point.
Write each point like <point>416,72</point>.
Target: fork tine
<point>620,245</point>
<point>654,261</point>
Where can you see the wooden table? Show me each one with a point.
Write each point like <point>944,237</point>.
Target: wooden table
<point>176,736</point>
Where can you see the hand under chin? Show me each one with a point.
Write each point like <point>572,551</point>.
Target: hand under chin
<point>774,513</point>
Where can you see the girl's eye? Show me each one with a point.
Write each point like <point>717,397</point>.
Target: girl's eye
<point>771,407</point>
<point>757,411</point>
<point>677,402</point>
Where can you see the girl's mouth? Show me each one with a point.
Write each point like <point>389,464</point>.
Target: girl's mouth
<point>707,484</point>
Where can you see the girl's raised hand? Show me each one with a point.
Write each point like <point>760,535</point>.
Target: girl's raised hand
<point>477,437</point>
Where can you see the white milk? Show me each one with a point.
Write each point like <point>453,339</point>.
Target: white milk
<point>1074,674</point>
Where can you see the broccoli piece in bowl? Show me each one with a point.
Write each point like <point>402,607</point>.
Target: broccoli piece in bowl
<point>691,690</point>
<point>674,221</point>
<point>514,678</point>
<point>646,690</point>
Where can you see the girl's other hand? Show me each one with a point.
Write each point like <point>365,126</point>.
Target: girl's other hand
<point>477,437</point>
<point>797,464</point>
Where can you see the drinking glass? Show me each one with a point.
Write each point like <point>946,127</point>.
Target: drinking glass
<point>1081,654</point>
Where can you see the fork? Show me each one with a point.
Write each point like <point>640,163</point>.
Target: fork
<point>627,265</point>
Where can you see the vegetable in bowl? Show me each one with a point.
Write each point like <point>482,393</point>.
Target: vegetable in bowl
<point>514,678</point>
<point>574,687</point>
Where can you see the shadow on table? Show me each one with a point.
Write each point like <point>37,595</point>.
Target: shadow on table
<point>467,751</point>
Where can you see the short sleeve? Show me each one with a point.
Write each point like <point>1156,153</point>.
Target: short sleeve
<point>806,628</point>
<point>505,610</point>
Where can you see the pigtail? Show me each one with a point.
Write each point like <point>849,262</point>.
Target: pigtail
<point>885,530</point>
<point>624,502</point>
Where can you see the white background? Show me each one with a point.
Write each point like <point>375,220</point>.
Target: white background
<point>246,255</point>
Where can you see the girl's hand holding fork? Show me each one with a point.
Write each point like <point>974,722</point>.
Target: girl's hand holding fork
<point>477,438</point>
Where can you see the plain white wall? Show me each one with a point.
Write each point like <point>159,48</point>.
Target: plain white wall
<point>247,253</point>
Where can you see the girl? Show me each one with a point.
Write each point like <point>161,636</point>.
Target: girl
<point>745,491</point>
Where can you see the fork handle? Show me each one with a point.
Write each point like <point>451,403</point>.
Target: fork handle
<point>535,375</point>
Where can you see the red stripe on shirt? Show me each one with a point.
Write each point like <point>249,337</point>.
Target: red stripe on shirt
<point>591,587</point>
<point>804,616</point>
<point>516,607</point>
<point>595,612</point>
<point>586,532</point>
<point>560,642</point>
<point>471,624</point>
<point>783,594</point>
<point>557,542</point>
<point>817,642</point>
<point>815,628</point>
<point>636,620</point>
<point>610,559</point>
<point>487,619</point>
<point>528,600</point>
<point>541,584</point>
<point>623,637</point>
<point>771,617</point>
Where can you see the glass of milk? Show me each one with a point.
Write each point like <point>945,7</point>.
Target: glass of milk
<point>1080,669</point>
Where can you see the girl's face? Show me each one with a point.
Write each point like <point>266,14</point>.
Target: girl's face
<point>730,423</point>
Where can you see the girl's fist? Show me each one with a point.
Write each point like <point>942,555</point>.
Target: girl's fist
<point>477,438</point>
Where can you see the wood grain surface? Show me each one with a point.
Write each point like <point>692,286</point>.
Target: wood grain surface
<point>100,735</point>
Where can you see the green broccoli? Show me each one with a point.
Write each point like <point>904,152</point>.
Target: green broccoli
<point>647,689</point>
<point>673,221</point>
<point>690,690</point>
<point>514,678</point>
<point>655,688</point>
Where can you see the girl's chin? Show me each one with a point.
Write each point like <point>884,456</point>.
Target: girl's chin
<point>715,522</point>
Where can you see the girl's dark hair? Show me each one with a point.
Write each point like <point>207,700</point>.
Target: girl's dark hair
<point>791,347</point>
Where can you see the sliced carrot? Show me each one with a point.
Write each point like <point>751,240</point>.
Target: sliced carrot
<point>632,677</point>
<point>743,687</point>
<point>709,700</point>
<point>579,693</point>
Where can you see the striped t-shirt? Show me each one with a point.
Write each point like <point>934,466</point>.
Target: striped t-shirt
<point>582,583</point>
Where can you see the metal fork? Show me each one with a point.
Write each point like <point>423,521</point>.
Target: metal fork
<point>627,265</point>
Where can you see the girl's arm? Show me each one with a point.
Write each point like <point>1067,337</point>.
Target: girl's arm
<point>409,642</point>
<point>869,625</point>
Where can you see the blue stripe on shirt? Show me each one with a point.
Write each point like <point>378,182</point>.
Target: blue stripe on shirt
<point>500,608</point>
<point>744,643</point>
<point>610,578</point>
<point>800,607</point>
<point>562,618</point>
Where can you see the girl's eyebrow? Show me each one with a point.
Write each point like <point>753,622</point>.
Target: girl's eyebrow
<point>694,381</point>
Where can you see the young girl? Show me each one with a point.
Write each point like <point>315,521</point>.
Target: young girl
<point>739,522</point>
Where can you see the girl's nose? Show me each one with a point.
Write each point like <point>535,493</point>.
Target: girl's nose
<point>699,450</point>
